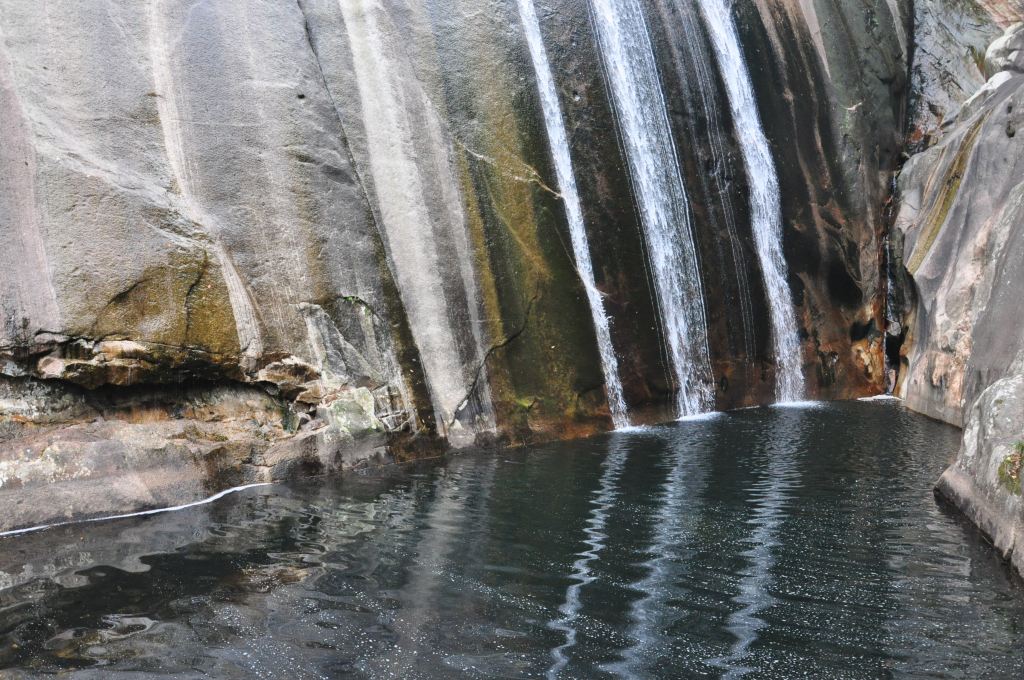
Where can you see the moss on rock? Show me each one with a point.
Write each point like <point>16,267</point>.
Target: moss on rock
<point>1010,470</point>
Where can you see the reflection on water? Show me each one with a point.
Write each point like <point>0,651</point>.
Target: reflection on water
<point>765,543</point>
<point>671,532</point>
<point>769,497</point>
<point>582,575</point>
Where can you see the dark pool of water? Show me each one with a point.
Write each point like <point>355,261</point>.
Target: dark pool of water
<point>773,543</point>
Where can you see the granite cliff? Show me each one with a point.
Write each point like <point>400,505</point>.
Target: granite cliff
<point>247,241</point>
<point>957,232</point>
<point>250,240</point>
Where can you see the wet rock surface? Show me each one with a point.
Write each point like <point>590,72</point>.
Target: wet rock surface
<point>321,201</point>
<point>830,80</point>
<point>958,227</point>
<point>68,455</point>
<point>985,479</point>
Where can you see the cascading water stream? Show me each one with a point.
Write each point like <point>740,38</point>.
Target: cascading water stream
<point>632,76</point>
<point>893,325</point>
<point>718,134</point>
<point>765,205</point>
<point>559,143</point>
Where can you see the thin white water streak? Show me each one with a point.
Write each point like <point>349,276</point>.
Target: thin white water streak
<point>716,138</point>
<point>582,573</point>
<point>559,143</point>
<point>893,326</point>
<point>810,13</point>
<point>632,75</point>
<point>898,23</point>
<point>765,203</point>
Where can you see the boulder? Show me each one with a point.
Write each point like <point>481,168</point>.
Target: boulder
<point>985,480</point>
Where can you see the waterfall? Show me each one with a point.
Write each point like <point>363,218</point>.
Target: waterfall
<point>632,76</point>
<point>715,184</point>
<point>893,326</point>
<point>559,143</point>
<point>765,206</point>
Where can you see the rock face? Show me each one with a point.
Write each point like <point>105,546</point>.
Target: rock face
<point>960,213</point>
<point>69,454</point>
<point>336,227</point>
<point>838,70</point>
<point>959,229</point>
<point>985,480</point>
<point>181,207</point>
<point>947,63</point>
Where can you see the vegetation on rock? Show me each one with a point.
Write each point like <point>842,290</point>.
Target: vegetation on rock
<point>1010,469</point>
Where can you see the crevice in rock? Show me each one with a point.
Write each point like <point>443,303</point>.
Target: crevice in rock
<point>203,267</point>
<point>534,179</point>
<point>478,373</point>
<point>357,301</point>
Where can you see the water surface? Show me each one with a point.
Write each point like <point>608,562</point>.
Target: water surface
<point>767,543</point>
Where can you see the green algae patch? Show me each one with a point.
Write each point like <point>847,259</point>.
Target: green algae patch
<point>1010,470</point>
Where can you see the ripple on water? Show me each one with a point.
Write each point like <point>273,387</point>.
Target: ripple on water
<point>771,542</point>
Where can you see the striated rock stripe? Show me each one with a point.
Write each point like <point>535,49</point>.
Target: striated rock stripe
<point>246,324</point>
<point>391,107</point>
<point>27,296</point>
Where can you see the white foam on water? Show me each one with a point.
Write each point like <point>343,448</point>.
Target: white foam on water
<point>635,429</point>
<point>700,417</point>
<point>799,404</point>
